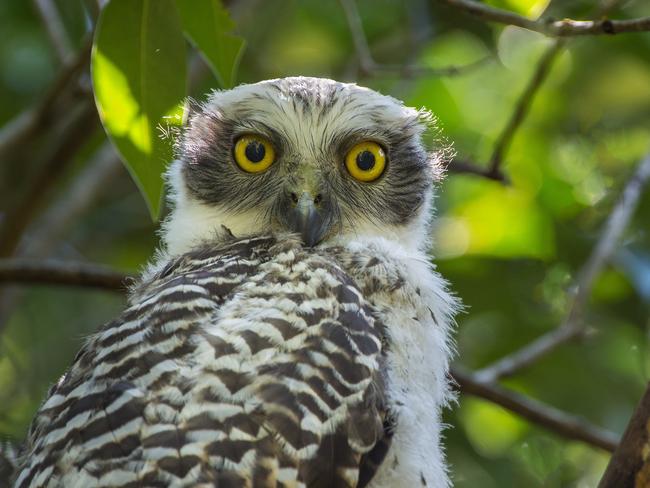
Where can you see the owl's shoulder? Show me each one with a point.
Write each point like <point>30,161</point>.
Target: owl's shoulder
<point>225,337</point>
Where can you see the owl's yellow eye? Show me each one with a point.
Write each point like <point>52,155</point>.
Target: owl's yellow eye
<point>254,153</point>
<point>366,161</point>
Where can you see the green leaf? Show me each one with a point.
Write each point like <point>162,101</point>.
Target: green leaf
<point>209,27</point>
<point>491,429</point>
<point>532,9</point>
<point>138,66</point>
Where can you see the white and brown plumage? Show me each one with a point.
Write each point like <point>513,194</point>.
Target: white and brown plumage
<point>292,333</point>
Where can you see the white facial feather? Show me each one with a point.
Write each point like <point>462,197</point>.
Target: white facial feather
<point>193,221</point>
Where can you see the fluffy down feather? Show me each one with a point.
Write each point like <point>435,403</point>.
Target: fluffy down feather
<point>253,362</point>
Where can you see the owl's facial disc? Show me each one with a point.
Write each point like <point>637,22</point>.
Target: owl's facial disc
<point>330,161</point>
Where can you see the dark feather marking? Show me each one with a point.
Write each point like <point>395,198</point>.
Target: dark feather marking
<point>350,332</point>
<point>373,459</point>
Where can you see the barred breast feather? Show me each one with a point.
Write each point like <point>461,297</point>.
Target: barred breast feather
<point>244,363</point>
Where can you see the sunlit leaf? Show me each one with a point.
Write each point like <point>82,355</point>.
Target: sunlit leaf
<point>490,428</point>
<point>528,8</point>
<point>502,222</point>
<point>208,25</point>
<point>138,72</point>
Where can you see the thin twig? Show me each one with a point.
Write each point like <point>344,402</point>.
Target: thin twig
<point>557,28</point>
<point>614,227</point>
<point>517,117</point>
<point>573,325</point>
<point>92,182</point>
<point>54,28</point>
<point>57,272</point>
<point>358,36</point>
<point>524,103</point>
<point>41,236</point>
<point>630,459</point>
<point>74,132</point>
<point>459,166</point>
<point>21,130</point>
<point>410,71</point>
<point>558,421</point>
<point>370,67</point>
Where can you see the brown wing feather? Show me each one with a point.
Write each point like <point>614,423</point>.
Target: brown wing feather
<point>255,363</point>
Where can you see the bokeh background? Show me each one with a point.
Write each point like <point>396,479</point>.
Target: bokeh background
<point>510,250</point>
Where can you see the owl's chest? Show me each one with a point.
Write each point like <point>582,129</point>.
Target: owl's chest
<point>416,389</point>
<point>415,309</point>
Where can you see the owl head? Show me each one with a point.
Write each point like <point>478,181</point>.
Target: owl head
<point>329,161</point>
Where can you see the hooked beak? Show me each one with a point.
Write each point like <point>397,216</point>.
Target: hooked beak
<point>307,217</point>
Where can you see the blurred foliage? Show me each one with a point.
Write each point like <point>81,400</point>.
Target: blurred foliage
<point>510,251</point>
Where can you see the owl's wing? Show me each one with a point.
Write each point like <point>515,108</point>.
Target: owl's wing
<point>255,364</point>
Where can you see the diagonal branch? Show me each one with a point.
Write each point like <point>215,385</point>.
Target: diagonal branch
<point>76,129</point>
<point>57,272</point>
<point>524,103</point>
<point>91,275</point>
<point>22,129</point>
<point>459,166</point>
<point>630,465</point>
<point>522,106</point>
<point>514,123</point>
<point>573,325</point>
<point>557,28</point>
<point>54,28</point>
<point>90,184</point>
<point>40,237</point>
<point>558,421</point>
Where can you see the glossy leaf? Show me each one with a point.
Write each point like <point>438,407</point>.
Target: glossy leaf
<point>209,27</point>
<point>138,72</point>
<point>528,8</point>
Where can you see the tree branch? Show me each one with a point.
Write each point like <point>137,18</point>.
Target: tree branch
<point>524,103</point>
<point>411,71</point>
<point>37,241</point>
<point>89,275</point>
<point>92,181</point>
<point>629,466</point>
<point>22,128</point>
<point>54,28</point>
<point>514,123</point>
<point>557,28</point>
<point>80,124</point>
<point>370,67</point>
<point>573,325</point>
<point>57,272</point>
<point>522,106</point>
<point>459,166</point>
<point>562,423</point>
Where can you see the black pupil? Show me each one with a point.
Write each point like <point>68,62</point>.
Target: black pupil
<point>255,151</point>
<point>365,160</point>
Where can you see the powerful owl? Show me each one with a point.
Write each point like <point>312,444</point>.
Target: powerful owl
<point>291,331</point>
